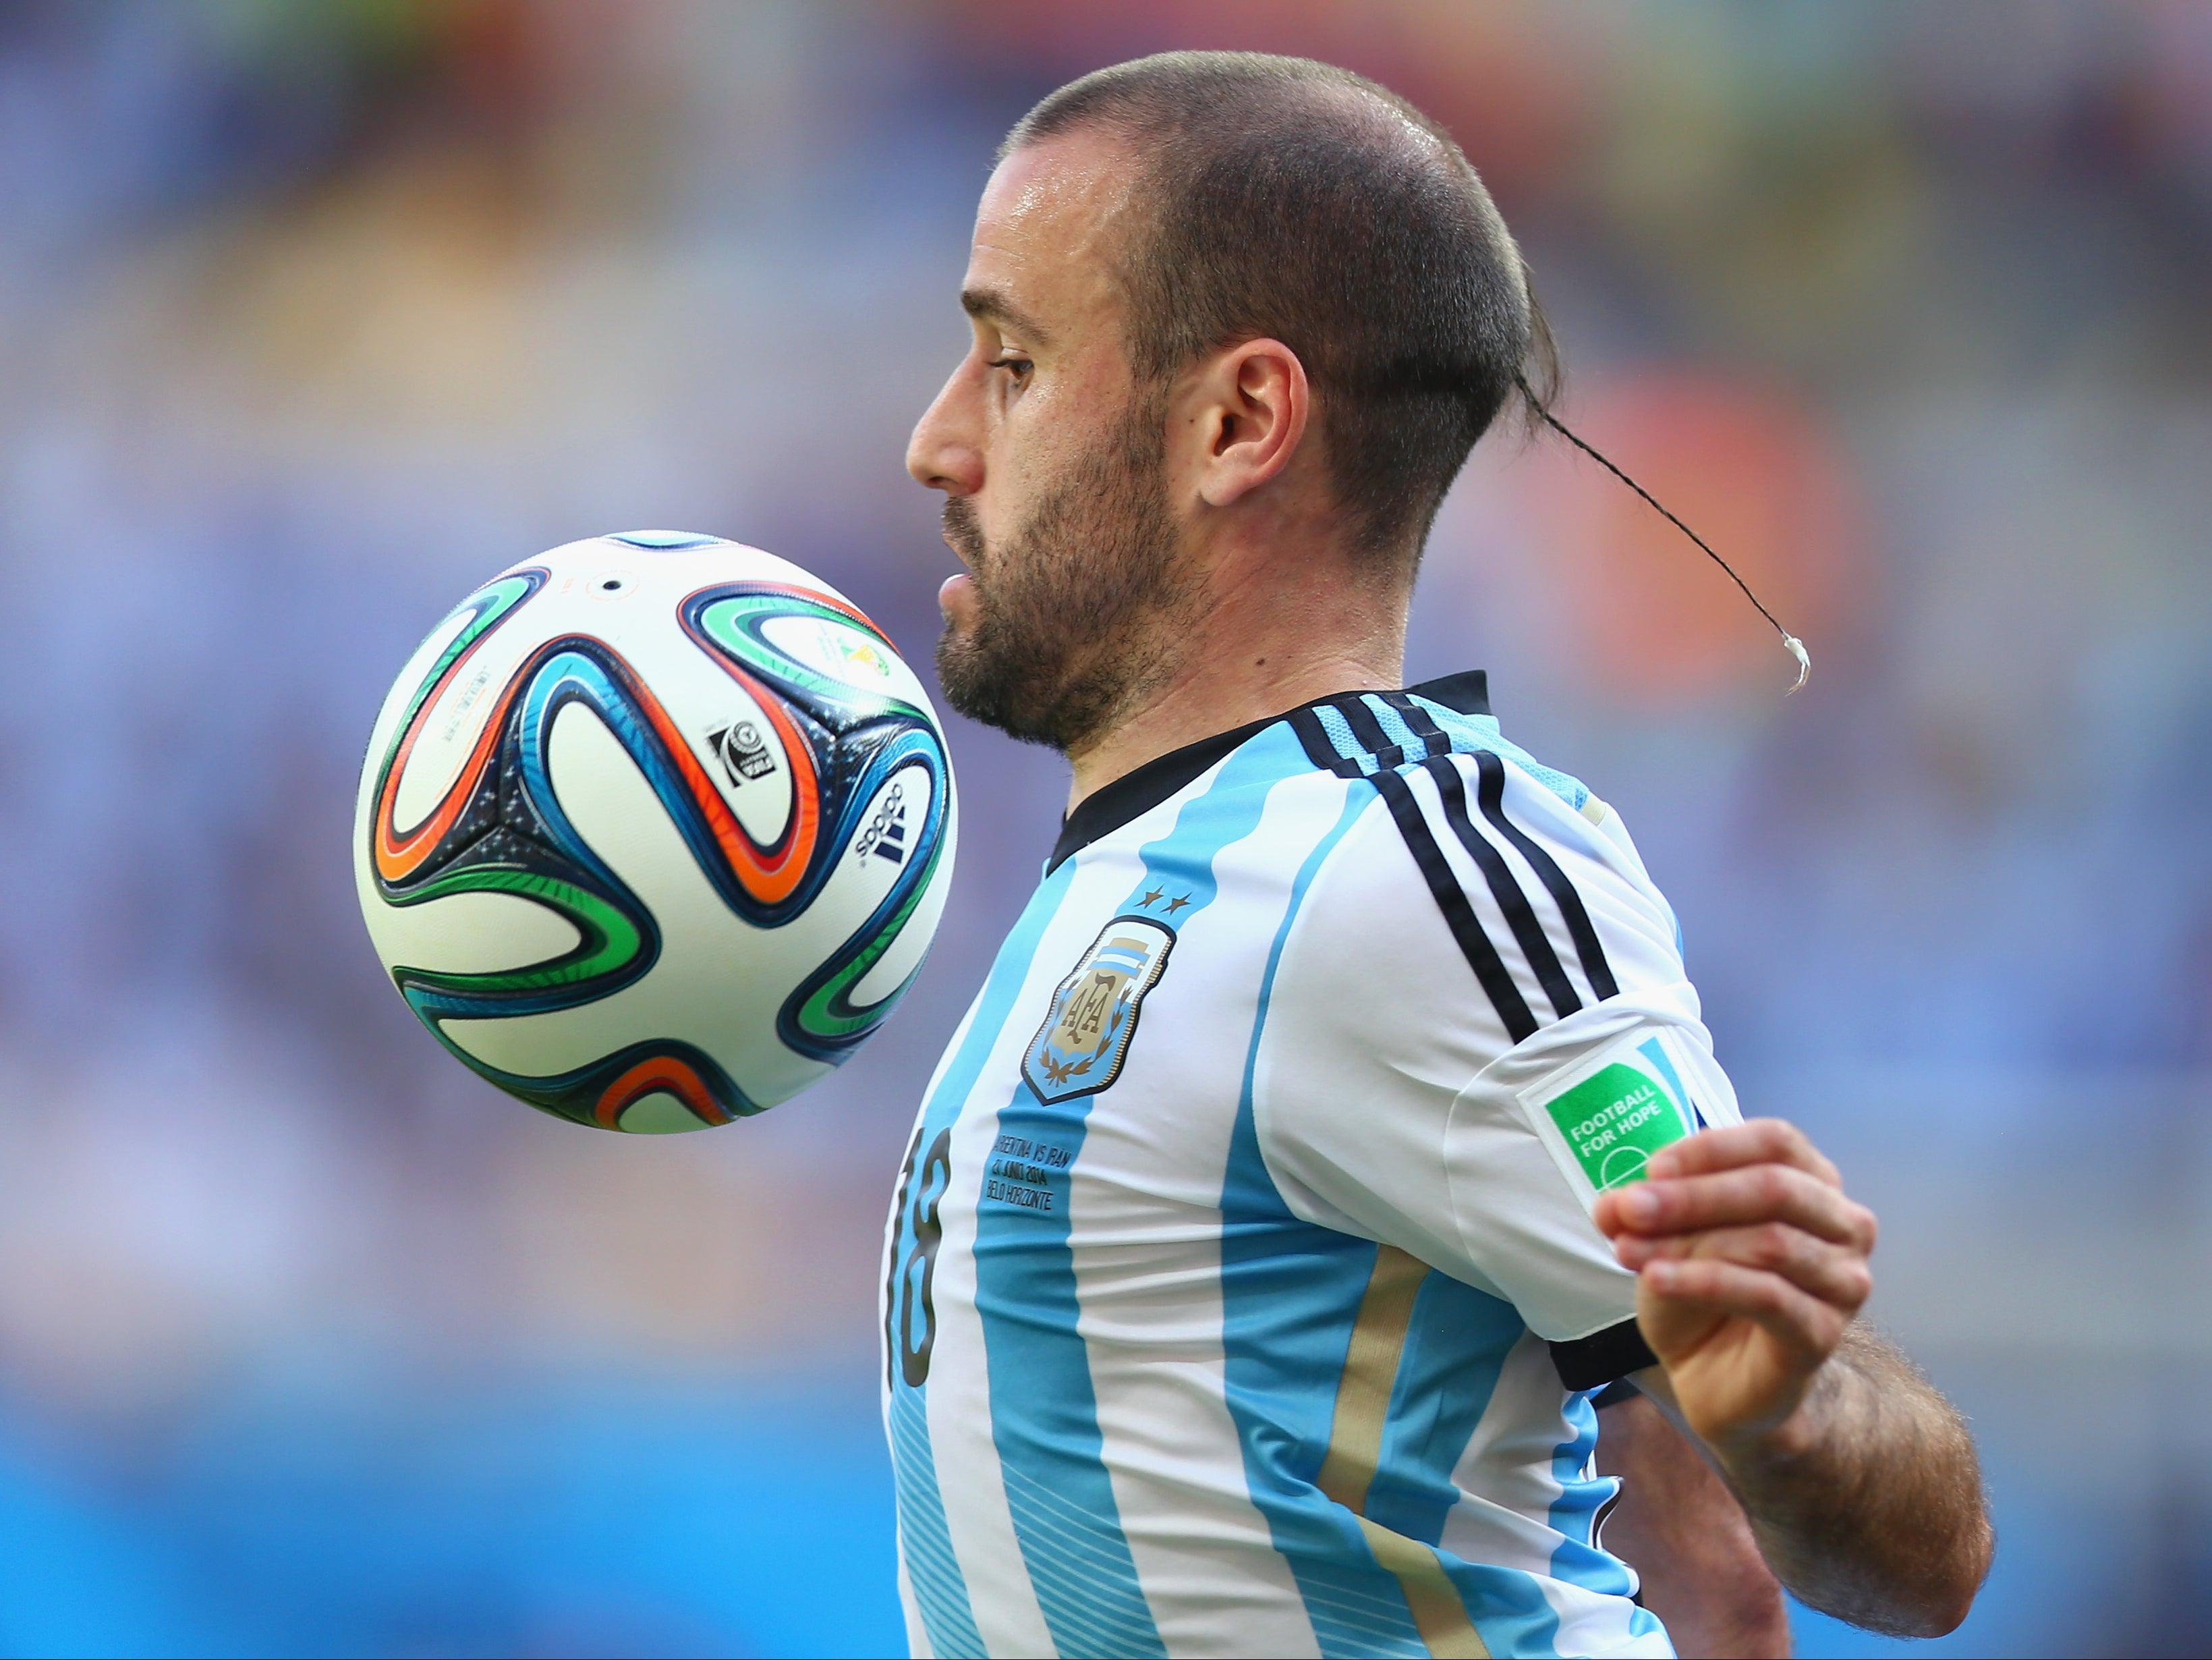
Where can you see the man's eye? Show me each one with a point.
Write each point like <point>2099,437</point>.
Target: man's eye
<point>1018,367</point>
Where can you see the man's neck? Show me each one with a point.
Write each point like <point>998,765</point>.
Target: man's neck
<point>1223,686</point>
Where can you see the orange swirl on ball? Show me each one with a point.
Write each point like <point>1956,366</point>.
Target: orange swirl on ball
<point>398,856</point>
<point>768,874</point>
<point>660,1072</point>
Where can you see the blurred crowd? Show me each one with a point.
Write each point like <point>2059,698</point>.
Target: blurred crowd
<point>313,316</point>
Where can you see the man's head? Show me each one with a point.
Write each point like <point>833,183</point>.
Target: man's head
<point>1216,297</point>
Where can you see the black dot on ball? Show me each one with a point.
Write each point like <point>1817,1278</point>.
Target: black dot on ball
<point>611,584</point>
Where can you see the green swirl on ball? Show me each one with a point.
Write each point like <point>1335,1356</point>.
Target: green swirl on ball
<point>736,625</point>
<point>609,939</point>
<point>829,1013</point>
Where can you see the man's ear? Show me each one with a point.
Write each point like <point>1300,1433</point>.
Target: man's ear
<point>1247,409</point>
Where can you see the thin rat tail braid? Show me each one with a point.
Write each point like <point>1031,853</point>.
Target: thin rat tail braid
<point>1796,647</point>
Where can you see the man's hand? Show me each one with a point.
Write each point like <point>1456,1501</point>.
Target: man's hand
<point>1750,1264</point>
<point>1860,1481</point>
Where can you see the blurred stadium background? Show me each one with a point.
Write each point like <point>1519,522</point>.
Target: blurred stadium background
<point>312,315</point>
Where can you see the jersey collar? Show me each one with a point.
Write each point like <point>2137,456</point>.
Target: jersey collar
<point>1133,793</point>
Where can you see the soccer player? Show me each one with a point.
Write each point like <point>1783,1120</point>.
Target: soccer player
<point>1274,1213</point>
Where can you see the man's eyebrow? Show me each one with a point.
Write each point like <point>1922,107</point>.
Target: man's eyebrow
<point>990,305</point>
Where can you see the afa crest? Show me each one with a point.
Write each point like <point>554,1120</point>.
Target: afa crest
<point>1085,1036</point>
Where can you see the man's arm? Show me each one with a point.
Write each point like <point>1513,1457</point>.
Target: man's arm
<point>1874,1512</point>
<point>1860,1480</point>
<point>1682,1530</point>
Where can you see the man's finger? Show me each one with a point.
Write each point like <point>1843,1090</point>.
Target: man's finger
<point>1808,1328</point>
<point>1754,1141</point>
<point>1837,1274</point>
<point>1737,1198</point>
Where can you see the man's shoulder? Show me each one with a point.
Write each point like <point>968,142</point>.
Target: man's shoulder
<point>1420,759</point>
<point>1474,732</point>
<point>1477,875</point>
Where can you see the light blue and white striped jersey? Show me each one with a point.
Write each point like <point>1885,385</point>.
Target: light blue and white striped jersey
<point>1241,1295</point>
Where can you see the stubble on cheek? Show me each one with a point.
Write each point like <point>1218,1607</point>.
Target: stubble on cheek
<point>1076,612</point>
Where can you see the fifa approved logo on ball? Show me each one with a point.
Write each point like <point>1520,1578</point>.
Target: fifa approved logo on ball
<point>742,751</point>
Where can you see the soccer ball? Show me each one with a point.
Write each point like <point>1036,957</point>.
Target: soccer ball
<point>653,830</point>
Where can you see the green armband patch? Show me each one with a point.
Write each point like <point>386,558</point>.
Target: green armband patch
<point>1603,1118</point>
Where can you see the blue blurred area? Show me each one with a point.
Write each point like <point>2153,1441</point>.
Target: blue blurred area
<point>310,317</point>
<point>582,1516</point>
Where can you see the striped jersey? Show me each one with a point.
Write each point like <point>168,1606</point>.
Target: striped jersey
<point>1241,1295</point>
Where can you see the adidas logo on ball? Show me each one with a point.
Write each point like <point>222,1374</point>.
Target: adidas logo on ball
<point>885,835</point>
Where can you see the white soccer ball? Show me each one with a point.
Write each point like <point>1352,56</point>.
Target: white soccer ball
<point>653,829</point>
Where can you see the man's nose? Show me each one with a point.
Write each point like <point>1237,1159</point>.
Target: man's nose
<point>942,453</point>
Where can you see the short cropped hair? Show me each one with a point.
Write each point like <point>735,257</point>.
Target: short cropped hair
<point>1298,201</point>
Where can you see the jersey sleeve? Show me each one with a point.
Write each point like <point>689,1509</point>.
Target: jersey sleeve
<point>1478,1022</point>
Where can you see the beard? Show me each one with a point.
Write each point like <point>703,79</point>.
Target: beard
<point>1078,613</point>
